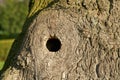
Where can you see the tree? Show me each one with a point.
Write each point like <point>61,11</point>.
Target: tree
<point>67,40</point>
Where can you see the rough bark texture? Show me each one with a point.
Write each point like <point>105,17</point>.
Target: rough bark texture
<point>89,32</point>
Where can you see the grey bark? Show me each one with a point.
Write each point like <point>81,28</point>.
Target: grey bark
<point>90,44</point>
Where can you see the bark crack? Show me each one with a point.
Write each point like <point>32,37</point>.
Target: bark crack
<point>111,6</point>
<point>83,4</point>
<point>118,52</point>
<point>98,5</point>
<point>97,70</point>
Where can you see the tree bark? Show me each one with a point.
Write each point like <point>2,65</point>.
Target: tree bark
<point>67,40</point>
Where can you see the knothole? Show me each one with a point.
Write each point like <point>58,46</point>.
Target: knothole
<point>53,44</point>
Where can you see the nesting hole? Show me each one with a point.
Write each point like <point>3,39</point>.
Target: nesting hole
<point>53,44</point>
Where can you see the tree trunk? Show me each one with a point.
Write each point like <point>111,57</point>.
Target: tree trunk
<point>67,40</point>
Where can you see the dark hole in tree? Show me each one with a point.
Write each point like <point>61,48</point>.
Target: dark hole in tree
<point>53,44</point>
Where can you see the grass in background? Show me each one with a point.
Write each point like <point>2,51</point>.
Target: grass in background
<point>5,46</point>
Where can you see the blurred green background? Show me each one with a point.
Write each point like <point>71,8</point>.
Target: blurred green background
<point>12,17</point>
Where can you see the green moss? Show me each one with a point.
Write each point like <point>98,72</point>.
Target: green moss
<point>5,46</point>
<point>37,5</point>
<point>1,64</point>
